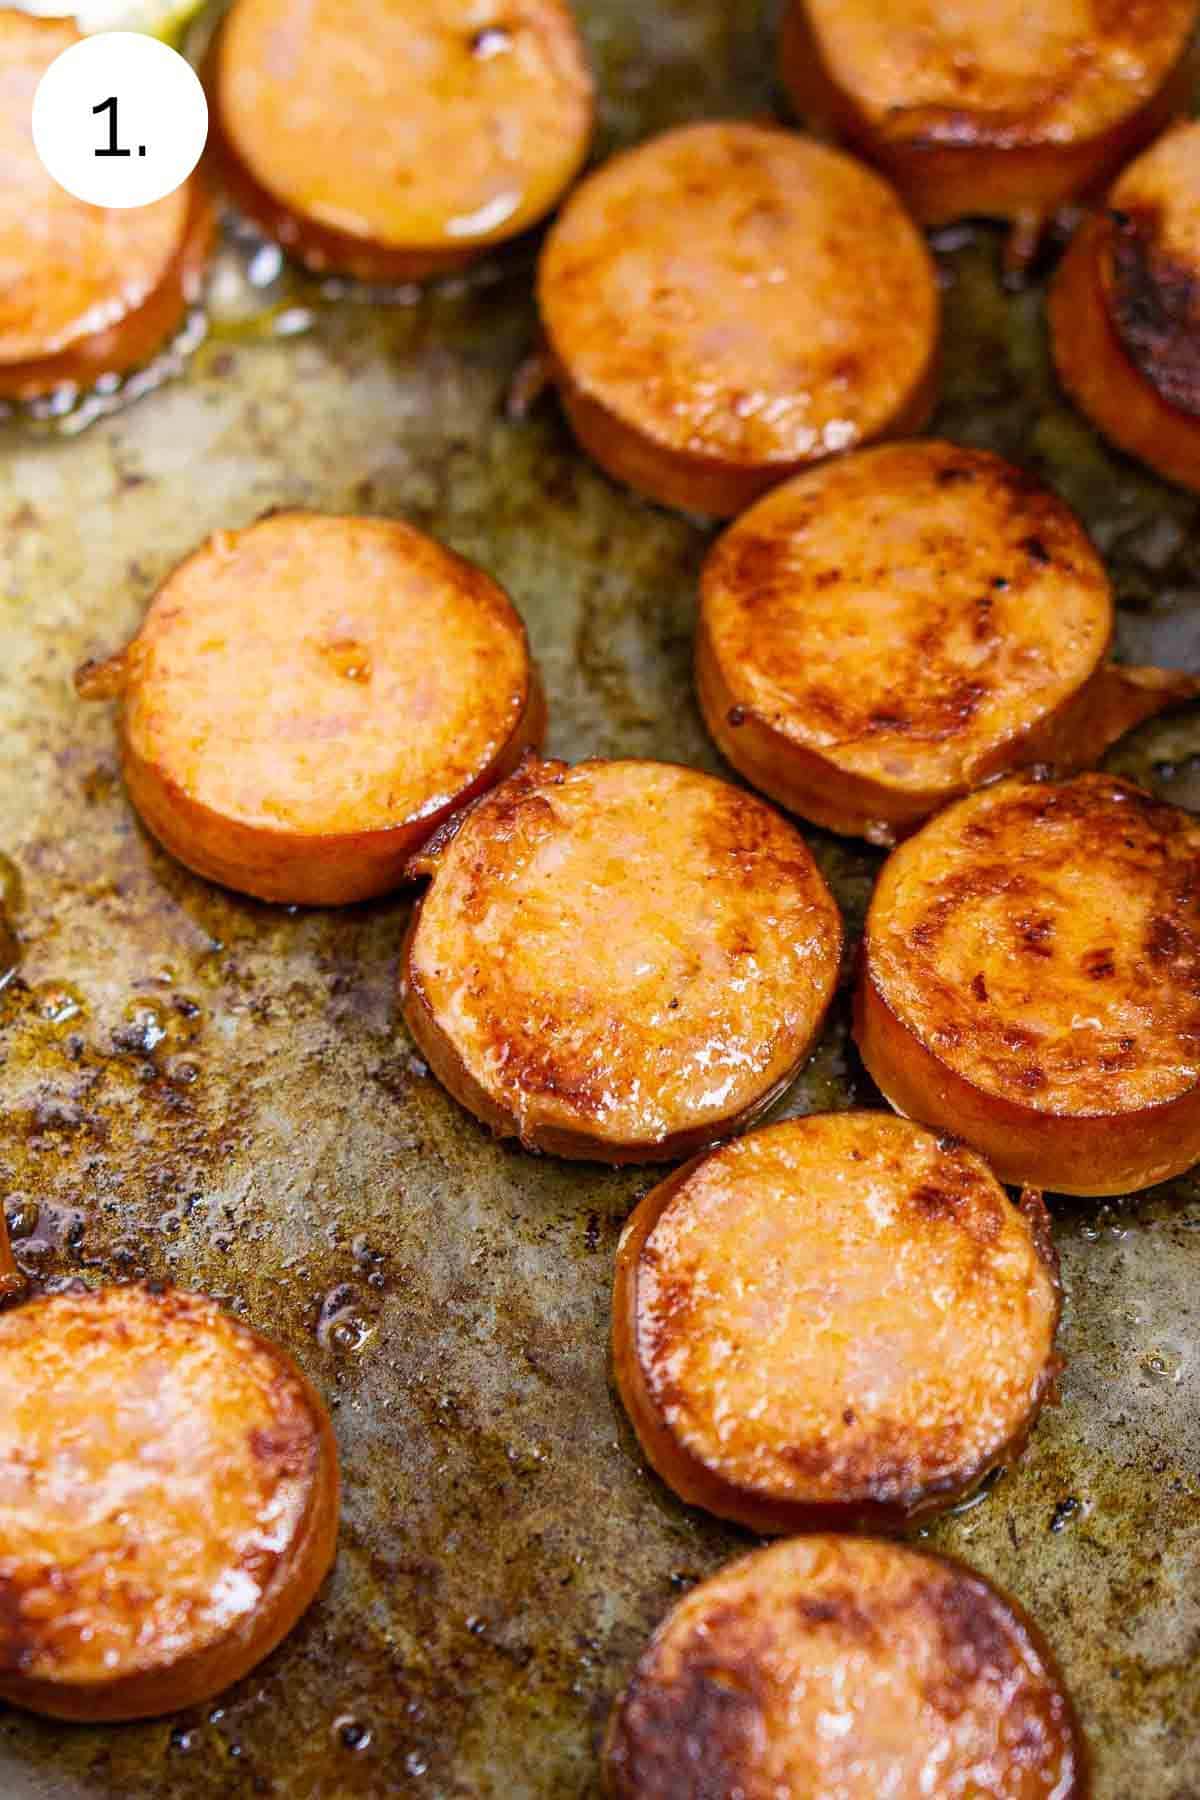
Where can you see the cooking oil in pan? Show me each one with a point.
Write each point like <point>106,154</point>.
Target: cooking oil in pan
<point>10,905</point>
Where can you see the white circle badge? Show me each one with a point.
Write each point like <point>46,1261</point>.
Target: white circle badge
<point>120,119</point>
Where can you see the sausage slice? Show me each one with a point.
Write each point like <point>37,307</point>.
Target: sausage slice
<point>1031,982</point>
<point>84,290</point>
<point>837,1320</point>
<point>620,960</point>
<point>168,1501</point>
<point>991,106</point>
<point>706,336</point>
<point>398,142</point>
<point>884,633</point>
<point>845,1668</point>
<point>309,698</point>
<point>1124,312</point>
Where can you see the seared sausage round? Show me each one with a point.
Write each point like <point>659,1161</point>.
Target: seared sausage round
<point>398,142</point>
<point>708,321</point>
<point>168,1501</point>
<point>620,960</point>
<point>1124,313</point>
<point>84,290</point>
<point>882,634</point>
<point>309,698</point>
<point>836,1320</point>
<point>991,106</point>
<point>1031,981</point>
<point>845,1668</point>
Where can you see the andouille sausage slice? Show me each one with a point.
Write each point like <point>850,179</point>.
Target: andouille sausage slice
<point>84,290</point>
<point>836,1320</point>
<point>398,142</point>
<point>1031,982</point>
<point>884,633</point>
<point>619,960</point>
<point>168,1501</point>
<point>992,107</point>
<point>1124,312</point>
<point>845,1668</point>
<point>708,321</point>
<point>309,698</point>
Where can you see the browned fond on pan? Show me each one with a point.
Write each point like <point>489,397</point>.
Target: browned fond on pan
<point>1125,312</point>
<point>707,335</point>
<point>841,1668</point>
<point>459,130</point>
<point>169,1504</point>
<point>1002,109</point>
<point>308,698</point>
<point>835,1320</point>
<point>621,960</point>
<point>11,1279</point>
<point>84,290</point>
<point>882,634</point>
<point>1031,981</point>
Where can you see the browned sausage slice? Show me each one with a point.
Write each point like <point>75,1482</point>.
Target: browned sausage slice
<point>845,1668</point>
<point>991,106</point>
<point>84,290</point>
<point>168,1501</point>
<point>309,698</point>
<point>620,960</point>
<point>836,1320</point>
<point>884,633</point>
<point>709,332</point>
<point>396,142</point>
<point>1031,982</point>
<point>1124,313</point>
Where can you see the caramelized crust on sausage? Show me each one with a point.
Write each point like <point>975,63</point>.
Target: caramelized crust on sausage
<point>882,634</point>
<point>168,1501</point>
<point>396,142</point>
<point>308,698</point>
<point>837,1320</point>
<point>708,334</point>
<point>84,290</point>
<point>1031,981</point>
<point>1125,310</point>
<point>845,1668</point>
<point>620,960</point>
<point>1152,272</point>
<point>991,106</point>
